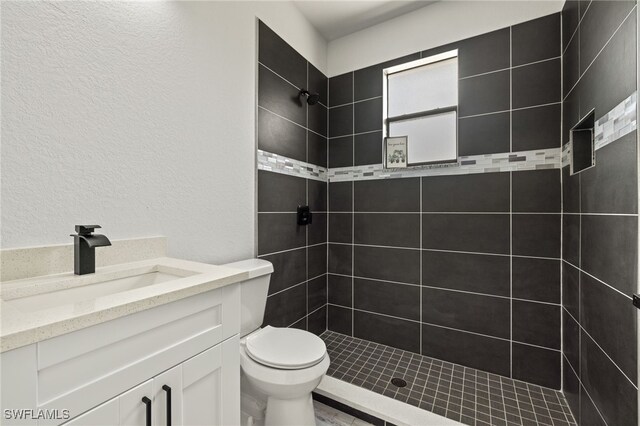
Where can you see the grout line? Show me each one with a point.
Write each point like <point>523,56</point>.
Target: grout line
<point>594,277</point>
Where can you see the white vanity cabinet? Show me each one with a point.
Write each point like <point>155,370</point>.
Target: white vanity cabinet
<point>100,374</point>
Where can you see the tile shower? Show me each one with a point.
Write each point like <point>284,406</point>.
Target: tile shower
<point>505,266</point>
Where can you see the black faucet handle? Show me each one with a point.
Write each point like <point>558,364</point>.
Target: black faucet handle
<point>86,229</point>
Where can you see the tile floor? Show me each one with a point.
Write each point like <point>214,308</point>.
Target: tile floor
<point>464,394</point>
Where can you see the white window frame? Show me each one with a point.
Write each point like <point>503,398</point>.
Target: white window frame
<point>386,120</point>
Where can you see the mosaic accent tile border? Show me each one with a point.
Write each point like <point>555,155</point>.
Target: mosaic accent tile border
<point>618,122</point>
<point>288,166</point>
<point>460,393</point>
<point>488,163</point>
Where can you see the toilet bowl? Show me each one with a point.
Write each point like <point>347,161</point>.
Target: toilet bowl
<point>285,365</point>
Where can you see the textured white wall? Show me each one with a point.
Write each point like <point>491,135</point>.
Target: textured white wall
<point>138,116</point>
<point>434,25</point>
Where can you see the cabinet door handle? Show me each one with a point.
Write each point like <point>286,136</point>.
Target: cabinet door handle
<point>147,402</point>
<point>167,389</point>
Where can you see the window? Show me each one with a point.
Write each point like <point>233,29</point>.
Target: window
<point>421,103</point>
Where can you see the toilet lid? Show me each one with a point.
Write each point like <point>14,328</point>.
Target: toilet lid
<point>285,348</point>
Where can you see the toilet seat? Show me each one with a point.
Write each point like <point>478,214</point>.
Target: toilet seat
<point>285,348</point>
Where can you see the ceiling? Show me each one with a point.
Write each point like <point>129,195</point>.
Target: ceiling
<point>337,18</point>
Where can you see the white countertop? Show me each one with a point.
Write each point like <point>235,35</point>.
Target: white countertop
<point>23,327</point>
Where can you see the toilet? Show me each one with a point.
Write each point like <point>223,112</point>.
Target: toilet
<point>280,366</point>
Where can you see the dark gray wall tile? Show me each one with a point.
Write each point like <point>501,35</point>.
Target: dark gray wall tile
<point>289,268</point>
<point>536,40</point>
<point>279,56</point>
<point>609,250</point>
<point>571,66</point>
<point>571,390</point>
<point>536,324</point>
<point>341,152</point>
<point>341,89</point>
<point>387,229</point>
<point>611,320</point>
<point>394,332</point>
<point>482,233</point>
<point>600,21</point>
<point>536,279</point>
<point>402,265</point>
<point>484,353</point>
<point>589,414</point>
<point>367,115</point>
<point>536,191</point>
<point>277,95</point>
<point>570,191</point>
<point>536,365</point>
<point>570,18</point>
<point>317,321</point>
<point>280,136</point>
<point>398,300</point>
<point>317,230</point>
<point>300,324</point>
<point>486,192</point>
<point>279,231</point>
<point>453,271</point>
<point>317,195</point>
<point>612,186</point>
<point>317,260</point>
<point>318,118</point>
<point>339,320</point>
<point>368,148</point>
<point>318,83</point>
<point>484,53</point>
<point>536,128</point>
<point>536,235</point>
<point>317,149</point>
<point>465,311</point>
<point>341,228</point>
<point>340,290</point>
<point>387,195</point>
<point>571,238</point>
<point>571,289</point>
<point>484,134</point>
<point>317,293</point>
<point>340,196</point>
<point>367,82</point>
<point>617,66</point>
<point>280,193</point>
<point>340,259</point>
<point>613,394</point>
<point>287,307</point>
<point>537,84</point>
<point>571,340</point>
<point>570,112</point>
<point>341,121</point>
<point>484,93</point>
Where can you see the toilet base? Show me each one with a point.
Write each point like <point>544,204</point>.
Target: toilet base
<point>290,412</point>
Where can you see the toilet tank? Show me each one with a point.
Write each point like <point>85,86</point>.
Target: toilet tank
<point>253,292</point>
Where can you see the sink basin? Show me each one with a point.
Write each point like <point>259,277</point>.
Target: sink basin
<point>71,289</point>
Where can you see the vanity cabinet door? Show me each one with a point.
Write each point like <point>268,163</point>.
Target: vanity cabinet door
<point>211,386</point>
<point>106,414</point>
<point>133,411</point>
<point>167,398</point>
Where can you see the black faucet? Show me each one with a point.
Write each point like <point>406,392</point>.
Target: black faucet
<point>84,248</point>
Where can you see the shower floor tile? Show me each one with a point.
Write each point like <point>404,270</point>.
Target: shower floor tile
<point>460,393</point>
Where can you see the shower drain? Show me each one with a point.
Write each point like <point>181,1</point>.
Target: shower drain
<point>397,381</point>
